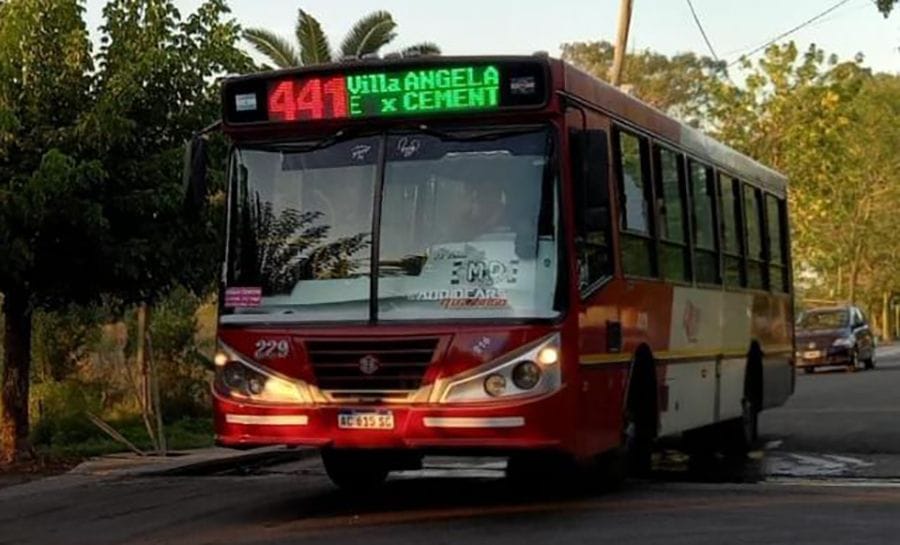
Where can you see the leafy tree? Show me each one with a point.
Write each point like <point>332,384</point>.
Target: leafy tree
<point>62,339</point>
<point>886,6</point>
<point>367,36</point>
<point>90,163</point>
<point>832,128</point>
<point>52,228</point>
<point>154,87</point>
<point>681,85</point>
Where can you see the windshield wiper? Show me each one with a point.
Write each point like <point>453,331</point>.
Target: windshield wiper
<point>310,145</point>
<point>475,135</point>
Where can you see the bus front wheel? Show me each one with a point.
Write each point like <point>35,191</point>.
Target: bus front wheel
<point>353,470</point>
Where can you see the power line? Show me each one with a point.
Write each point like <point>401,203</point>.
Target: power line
<point>702,32</point>
<point>791,31</point>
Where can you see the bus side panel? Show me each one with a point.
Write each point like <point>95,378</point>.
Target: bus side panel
<point>773,326</point>
<point>642,311</point>
<point>778,376</point>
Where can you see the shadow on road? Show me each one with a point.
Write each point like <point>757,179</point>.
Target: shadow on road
<point>454,494</point>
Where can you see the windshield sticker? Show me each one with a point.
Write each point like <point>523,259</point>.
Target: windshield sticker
<point>444,254</point>
<point>484,273</point>
<point>464,297</point>
<point>359,153</point>
<point>243,297</point>
<point>407,147</point>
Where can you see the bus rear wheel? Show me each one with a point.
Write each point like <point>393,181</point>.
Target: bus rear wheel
<point>741,434</point>
<point>355,470</point>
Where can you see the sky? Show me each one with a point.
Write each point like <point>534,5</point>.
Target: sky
<point>462,27</point>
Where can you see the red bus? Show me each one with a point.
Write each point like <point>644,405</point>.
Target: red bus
<point>490,256</point>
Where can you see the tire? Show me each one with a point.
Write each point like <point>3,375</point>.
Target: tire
<point>741,434</point>
<point>355,471</point>
<point>611,470</point>
<point>870,361</point>
<point>853,364</point>
<point>641,416</point>
<point>545,470</point>
<point>637,444</point>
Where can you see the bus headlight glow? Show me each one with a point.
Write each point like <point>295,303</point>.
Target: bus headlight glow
<point>530,371</point>
<point>548,356</point>
<point>242,379</point>
<point>221,359</point>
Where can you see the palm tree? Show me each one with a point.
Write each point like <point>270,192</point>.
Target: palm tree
<point>367,36</point>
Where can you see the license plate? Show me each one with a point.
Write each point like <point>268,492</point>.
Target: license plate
<point>812,354</point>
<point>366,420</point>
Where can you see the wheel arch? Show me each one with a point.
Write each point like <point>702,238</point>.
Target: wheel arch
<point>753,375</point>
<point>642,387</point>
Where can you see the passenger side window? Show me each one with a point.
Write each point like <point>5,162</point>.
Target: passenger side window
<point>777,226</point>
<point>590,174</point>
<point>674,256</point>
<point>756,257</point>
<point>731,239</point>
<point>703,206</point>
<point>635,194</point>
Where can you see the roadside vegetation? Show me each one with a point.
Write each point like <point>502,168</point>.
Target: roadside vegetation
<point>108,286</point>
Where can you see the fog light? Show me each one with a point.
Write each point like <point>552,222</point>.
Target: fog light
<point>221,359</point>
<point>234,376</point>
<point>526,375</point>
<point>494,385</point>
<point>548,356</point>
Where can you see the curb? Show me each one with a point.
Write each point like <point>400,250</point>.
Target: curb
<point>201,463</point>
<point>242,462</point>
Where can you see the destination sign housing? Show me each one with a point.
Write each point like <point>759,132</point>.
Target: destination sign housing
<point>422,90</point>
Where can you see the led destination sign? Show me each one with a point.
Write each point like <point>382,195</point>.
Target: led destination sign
<point>384,93</point>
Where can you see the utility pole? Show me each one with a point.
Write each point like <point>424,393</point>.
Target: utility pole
<point>615,73</point>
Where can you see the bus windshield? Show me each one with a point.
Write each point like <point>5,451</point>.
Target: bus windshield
<point>467,228</point>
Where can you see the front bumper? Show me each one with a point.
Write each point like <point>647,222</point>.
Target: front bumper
<point>517,424</point>
<point>833,356</point>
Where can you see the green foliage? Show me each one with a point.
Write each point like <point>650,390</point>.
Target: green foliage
<point>314,48</point>
<point>91,159</point>
<point>886,6</point>
<point>156,85</point>
<point>273,46</point>
<point>60,409</point>
<point>52,441</point>
<point>367,36</point>
<point>682,85</point>
<point>62,339</point>
<point>832,128</point>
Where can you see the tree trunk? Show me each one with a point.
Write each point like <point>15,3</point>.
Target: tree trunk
<point>16,370</point>
<point>886,332</point>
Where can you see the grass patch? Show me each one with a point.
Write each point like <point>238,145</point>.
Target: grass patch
<point>87,440</point>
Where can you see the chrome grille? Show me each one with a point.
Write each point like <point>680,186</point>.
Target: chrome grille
<point>370,365</point>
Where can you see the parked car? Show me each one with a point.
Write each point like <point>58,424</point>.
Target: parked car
<point>836,336</point>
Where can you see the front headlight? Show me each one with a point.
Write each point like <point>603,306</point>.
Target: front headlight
<point>843,342</point>
<point>243,379</point>
<point>530,371</point>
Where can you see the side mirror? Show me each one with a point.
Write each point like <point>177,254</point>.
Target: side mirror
<point>590,173</point>
<point>195,181</point>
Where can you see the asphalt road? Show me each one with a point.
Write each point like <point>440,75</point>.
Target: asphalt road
<point>836,411</point>
<point>847,419</point>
